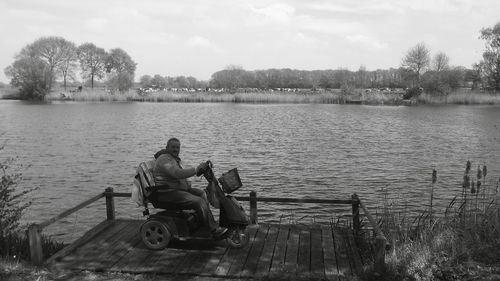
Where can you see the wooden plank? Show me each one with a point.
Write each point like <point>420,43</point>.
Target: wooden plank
<point>57,257</point>
<point>304,255</point>
<point>354,252</point>
<point>253,257</point>
<point>329,259</point>
<point>87,252</point>
<point>343,264</point>
<point>149,264</point>
<point>126,255</point>
<point>225,263</point>
<point>214,259</point>
<point>194,249</point>
<point>105,256</point>
<point>278,260</point>
<point>317,262</point>
<point>212,263</point>
<point>264,263</point>
<point>241,258</point>
<point>292,251</point>
<point>194,262</point>
<point>110,253</point>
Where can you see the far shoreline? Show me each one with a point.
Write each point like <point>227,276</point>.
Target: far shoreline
<point>303,96</point>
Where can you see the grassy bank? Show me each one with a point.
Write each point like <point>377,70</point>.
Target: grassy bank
<point>334,96</point>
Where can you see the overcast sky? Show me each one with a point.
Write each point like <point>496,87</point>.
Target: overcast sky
<point>198,38</point>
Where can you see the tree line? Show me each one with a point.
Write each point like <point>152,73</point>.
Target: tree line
<point>39,64</point>
<point>418,71</point>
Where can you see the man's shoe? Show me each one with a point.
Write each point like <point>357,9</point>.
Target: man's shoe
<point>219,232</point>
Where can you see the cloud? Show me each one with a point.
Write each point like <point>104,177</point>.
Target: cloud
<point>274,14</point>
<point>96,24</point>
<point>330,26</point>
<point>202,42</point>
<point>359,8</point>
<point>364,40</point>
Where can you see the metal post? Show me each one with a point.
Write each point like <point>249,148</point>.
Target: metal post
<point>35,243</point>
<point>110,204</point>
<point>355,214</point>
<point>253,207</point>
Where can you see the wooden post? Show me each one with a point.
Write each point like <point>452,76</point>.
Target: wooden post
<point>110,204</point>
<point>355,214</point>
<point>35,243</point>
<point>253,207</point>
<point>380,255</point>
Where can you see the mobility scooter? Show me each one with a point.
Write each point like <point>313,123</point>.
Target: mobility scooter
<point>173,223</point>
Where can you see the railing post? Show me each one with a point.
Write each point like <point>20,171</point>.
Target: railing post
<point>355,214</point>
<point>380,254</point>
<point>253,207</point>
<point>35,243</point>
<point>110,204</point>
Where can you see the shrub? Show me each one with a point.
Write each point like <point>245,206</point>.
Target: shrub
<point>412,93</point>
<point>11,208</point>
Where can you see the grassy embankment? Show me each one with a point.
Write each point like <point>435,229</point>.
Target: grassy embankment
<point>324,97</point>
<point>463,243</point>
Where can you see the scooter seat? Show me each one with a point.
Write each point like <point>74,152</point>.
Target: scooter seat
<point>183,214</point>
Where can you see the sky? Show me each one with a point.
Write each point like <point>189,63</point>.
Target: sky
<point>200,37</point>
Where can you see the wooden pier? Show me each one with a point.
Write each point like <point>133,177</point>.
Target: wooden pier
<point>275,250</point>
<point>323,253</point>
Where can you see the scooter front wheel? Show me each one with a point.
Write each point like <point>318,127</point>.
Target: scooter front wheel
<point>237,237</point>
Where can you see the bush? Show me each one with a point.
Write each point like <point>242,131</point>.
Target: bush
<point>412,93</point>
<point>13,241</point>
<point>31,77</point>
<point>11,209</point>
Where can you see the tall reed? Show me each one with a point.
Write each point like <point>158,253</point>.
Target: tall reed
<point>433,245</point>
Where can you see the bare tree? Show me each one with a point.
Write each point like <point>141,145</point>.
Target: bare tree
<point>53,51</point>
<point>441,62</point>
<point>69,62</point>
<point>417,60</point>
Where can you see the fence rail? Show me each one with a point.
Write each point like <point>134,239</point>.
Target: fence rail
<point>35,230</point>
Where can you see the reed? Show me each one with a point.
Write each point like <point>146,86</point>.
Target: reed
<point>303,97</point>
<point>461,97</point>
<point>439,247</point>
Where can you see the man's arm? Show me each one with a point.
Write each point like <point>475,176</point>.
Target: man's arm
<point>174,171</point>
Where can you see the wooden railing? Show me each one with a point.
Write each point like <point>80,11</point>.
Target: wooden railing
<point>35,230</point>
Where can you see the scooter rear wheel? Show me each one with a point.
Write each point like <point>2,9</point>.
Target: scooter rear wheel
<point>237,237</point>
<point>155,234</point>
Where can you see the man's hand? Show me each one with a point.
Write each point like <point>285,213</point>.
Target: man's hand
<point>201,168</point>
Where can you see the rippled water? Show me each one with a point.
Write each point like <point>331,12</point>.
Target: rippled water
<point>72,151</point>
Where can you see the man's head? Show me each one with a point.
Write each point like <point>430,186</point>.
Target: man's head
<point>173,147</point>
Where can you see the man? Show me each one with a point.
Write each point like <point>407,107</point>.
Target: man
<point>168,172</point>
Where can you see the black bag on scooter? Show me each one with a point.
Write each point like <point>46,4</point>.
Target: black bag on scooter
<point>233,210</point>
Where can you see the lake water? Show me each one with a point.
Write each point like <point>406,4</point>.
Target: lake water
<point>71,151</point>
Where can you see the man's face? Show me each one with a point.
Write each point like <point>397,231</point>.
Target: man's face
<point>174,147</point>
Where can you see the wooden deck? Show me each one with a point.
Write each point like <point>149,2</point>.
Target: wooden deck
<point>293,251</point>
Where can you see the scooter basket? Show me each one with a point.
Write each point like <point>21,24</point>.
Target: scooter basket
<point>230,181</point>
